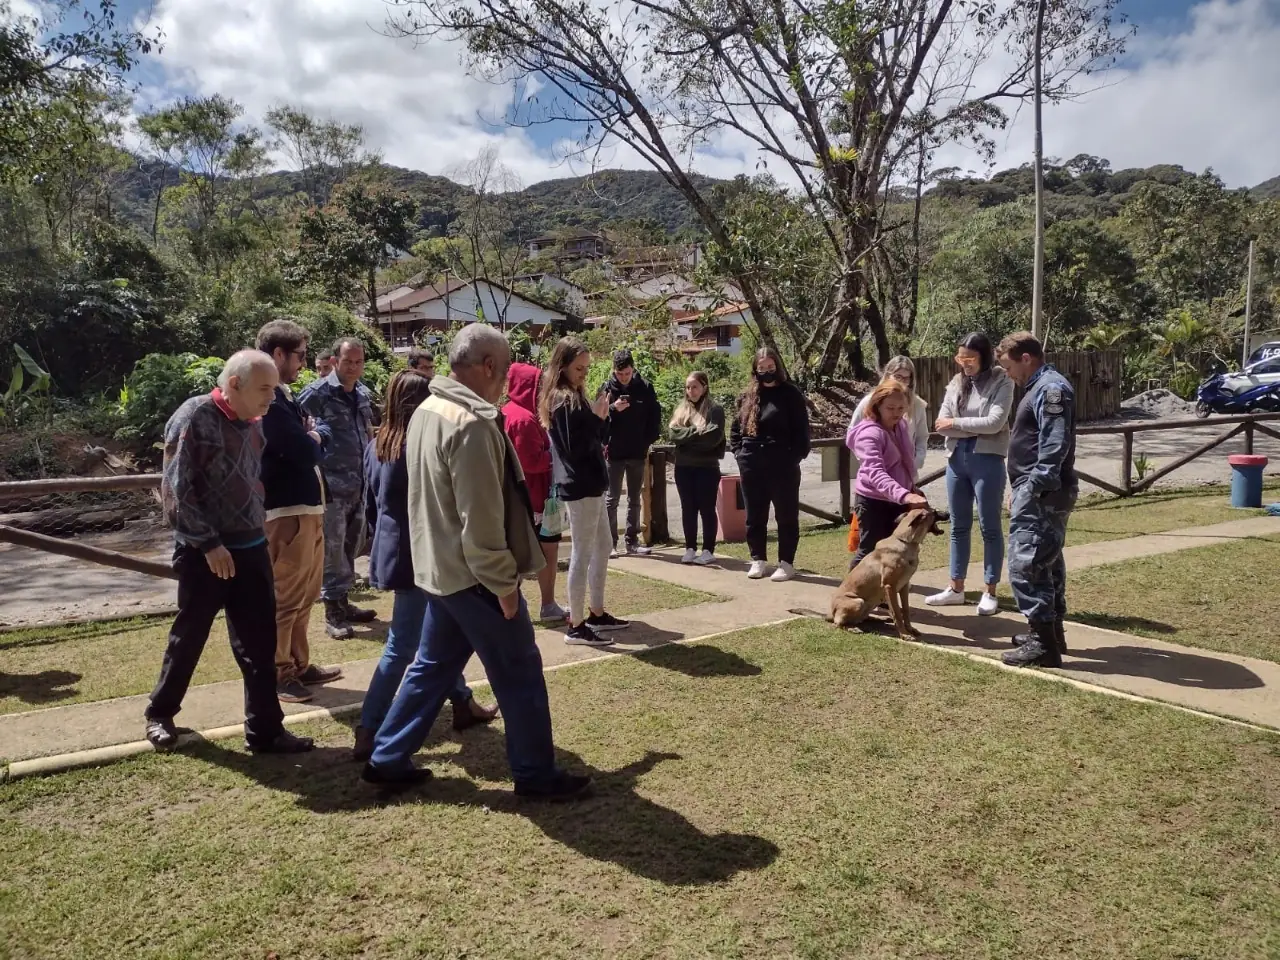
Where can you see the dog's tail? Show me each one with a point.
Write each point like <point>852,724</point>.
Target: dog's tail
<point>811,614</point>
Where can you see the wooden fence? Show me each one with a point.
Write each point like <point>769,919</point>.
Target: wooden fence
<point>1095,375</point>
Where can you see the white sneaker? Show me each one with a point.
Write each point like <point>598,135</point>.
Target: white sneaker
<point>705,558</point>
<point>640,550</point>
<point>988,605</point>
<point>784,572</point>
<point>690,556</point>
<point>553,613</point>
<point>613,554</point>
<point>947,598</point>
<point>757,570</point>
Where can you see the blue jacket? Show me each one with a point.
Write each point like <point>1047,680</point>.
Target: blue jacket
<point>1042,440</point>
<point>291,456</point>
<point>348,427</point>
<point>387,511</point>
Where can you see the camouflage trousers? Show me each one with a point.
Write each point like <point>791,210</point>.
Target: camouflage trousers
<point>1037,534</point>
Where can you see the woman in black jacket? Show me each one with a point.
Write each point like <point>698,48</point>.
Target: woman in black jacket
<point>581,479</point>
<point>391,565</point>
<point>697,431</point>
<point>769,439</point>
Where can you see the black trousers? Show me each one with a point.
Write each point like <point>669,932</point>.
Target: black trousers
<point>699,487</point>
<point>876,520</point>
<point>778,485</point>
<point>250,601</point>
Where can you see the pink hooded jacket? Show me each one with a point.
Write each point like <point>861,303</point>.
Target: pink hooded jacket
<point>887,468</point>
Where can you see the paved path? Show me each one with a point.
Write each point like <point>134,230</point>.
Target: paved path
<point>1237,687</point>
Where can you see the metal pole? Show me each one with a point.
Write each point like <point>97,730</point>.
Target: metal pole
<point>1037,291</point>
<point>1248,307</point>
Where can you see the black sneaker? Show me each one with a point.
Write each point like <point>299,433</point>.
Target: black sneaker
<point>358,614</point>
<point>561,788</point>
<point>162,734</point>
<point>605,622</point>
<point>583,636</point>
<point>395,779</point>
<point>283,742</point>
<point>335,621</point>
<point>292,691</point>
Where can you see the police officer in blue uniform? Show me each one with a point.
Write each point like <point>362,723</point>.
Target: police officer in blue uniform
<point>345,407</point>
<point>1042,476</point>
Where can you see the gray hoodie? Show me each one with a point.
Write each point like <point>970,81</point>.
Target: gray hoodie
<point>993,396</point>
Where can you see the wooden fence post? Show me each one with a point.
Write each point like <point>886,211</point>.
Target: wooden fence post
<point>1248,437</point>
<point>1126,468</point>
<point>845,466</point>
<point>659,525</point>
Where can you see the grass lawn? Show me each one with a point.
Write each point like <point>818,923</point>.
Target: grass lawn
<point>824,550</point>
<point>48,666</point>
<point>1219,597</point>
<point>785,792</point>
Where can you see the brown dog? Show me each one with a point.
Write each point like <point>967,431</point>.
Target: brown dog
<point>885,575</point>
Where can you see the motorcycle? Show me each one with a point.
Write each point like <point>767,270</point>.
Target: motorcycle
<point>1237,393</point>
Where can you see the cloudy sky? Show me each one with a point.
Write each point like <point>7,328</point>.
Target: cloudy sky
<point>1200,87</point>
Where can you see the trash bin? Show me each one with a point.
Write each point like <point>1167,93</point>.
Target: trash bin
<point>731,511</point>
<point>1246,479</point>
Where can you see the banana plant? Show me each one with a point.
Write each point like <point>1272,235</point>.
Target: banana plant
<point>19,389</point>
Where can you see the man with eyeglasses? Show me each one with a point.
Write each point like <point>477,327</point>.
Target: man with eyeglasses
<point>294,503</point>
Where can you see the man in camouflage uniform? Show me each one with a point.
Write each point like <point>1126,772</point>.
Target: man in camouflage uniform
<point>1042,477</point>
<point>344,406</point>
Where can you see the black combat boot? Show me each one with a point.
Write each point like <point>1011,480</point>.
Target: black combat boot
<point>1039,650</point>
<point>335,620</point>
<point>358,614</point>
<point>1059,636</point>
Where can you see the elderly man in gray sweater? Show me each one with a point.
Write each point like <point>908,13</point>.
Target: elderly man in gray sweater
<point>213,500</point>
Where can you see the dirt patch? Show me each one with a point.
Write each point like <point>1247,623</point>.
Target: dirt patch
<point>831,407</point>
<point>1156,405</point>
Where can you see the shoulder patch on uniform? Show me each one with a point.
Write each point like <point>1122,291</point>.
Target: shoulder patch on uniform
<point>1053,395</point>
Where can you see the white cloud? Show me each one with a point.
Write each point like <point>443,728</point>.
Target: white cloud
<point>1203,97</point>
<point>417,104</point>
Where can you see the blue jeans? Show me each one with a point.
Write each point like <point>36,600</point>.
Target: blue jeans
<point>402,645</point>
<point>456,626</point>
<point>973,476</point>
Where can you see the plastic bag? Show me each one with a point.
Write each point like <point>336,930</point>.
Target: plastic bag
<point>554,515</point>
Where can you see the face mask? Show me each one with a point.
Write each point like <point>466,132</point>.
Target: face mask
<point>769,377</point>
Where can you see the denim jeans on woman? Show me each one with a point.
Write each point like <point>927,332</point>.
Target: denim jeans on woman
<point>403,640</point>
<point>976,476</point>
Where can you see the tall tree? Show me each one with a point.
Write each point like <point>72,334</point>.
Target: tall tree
<point>74,54</point>
<point>342,247</point>
<point>829,93</point>
<point>487,224</point>
<point>325,153</point>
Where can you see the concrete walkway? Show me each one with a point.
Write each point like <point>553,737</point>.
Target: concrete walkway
<point>1229,686</point>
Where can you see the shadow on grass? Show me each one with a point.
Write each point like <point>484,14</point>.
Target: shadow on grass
<point>616,824</point>
<point>699,660</point>
<point>48,686</point>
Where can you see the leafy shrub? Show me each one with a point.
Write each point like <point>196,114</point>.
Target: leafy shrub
<point>160,382</point>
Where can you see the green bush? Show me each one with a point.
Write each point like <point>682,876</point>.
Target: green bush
<point>158,385</point>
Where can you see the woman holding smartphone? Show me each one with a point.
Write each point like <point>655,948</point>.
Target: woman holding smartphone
<point>577,429</point>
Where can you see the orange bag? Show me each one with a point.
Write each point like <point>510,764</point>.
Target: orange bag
<point>853,534</point>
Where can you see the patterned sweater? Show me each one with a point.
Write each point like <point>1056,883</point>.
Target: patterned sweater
<point>212,483</point>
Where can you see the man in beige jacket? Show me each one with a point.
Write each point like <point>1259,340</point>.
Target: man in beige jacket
<point>473,540</point>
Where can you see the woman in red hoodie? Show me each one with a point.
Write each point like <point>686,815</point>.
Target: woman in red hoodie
<point>533,447</point>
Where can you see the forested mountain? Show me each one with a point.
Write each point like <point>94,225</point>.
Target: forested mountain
<point>637,197</point>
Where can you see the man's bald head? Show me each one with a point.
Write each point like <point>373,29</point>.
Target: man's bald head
<point>248,382</point>
<point>479,358</point>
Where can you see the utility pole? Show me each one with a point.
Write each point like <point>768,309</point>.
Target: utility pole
<point>1037,283</point>
<point>1248,306</point>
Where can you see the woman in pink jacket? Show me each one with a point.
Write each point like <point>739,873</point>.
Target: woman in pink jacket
<point>886,482</point>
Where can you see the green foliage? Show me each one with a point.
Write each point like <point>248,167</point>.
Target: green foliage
<point>157,387</point>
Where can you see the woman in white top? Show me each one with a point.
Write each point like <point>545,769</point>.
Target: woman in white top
<point>904,371</point>
<point>974,419</point>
